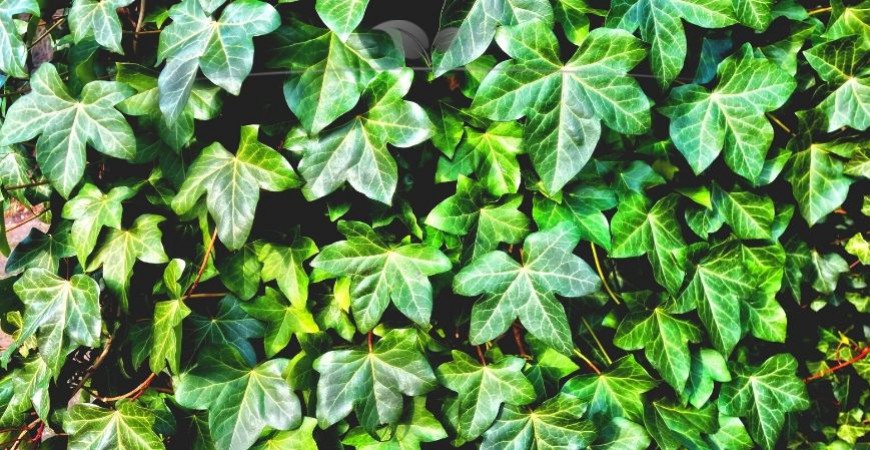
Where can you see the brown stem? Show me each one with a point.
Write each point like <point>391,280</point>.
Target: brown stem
<point>27,185</point>
<point>142,33</point>
<point>587,361</point>
<point>17,442</point>
<point>480,355</point>
<point>518,338</point>
<point>854,264</point>
<point>780,123</point>
<point>202,265</point>
<point>826,372</point>
<point>134,394</point>
<point>47,32</point>
<point>139,22</point>
<point>30,219</point>
<point>93,368</point>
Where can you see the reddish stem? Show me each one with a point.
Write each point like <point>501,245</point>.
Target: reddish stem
<point>134,394</point>
<point>369,339</point>
<point>518,338</point>
<point>854,264</point>
<point>826,372</point>
<point>202,265</point>
<point>480,355</point>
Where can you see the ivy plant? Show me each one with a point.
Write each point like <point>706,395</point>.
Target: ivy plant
<point>526,224</point>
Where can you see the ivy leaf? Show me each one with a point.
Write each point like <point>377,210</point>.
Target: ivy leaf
<point>858,247</point>
<point>63,314</point>
<point>233,184</point>
<point>127,426</point>
<point>615,393</point>
<point>582,208</point>
<point>41,250</point>
<point>756,14</point>
<point>230,327</point>
<point>283,319</point>
<point>621,434</point>
<point>323,87</point>
<point>357,152</point>
<point>661,26</point>
<point>240,271</point>
<point>301,438</point>
<point>844,63</point>
<point>417,426</point>
<point>97,19</point>
<point>675,427</point>
<point>24,389</point>
<point>554,424</point>
<point>708,366</point>
<point>341,16</point>
<point>638,229</point>
<point>92,210</point>
<point>731,116</point>
<point>817,181</point>
<point>284,264</point>
<point>222,48</point>
<point>765,394</point>
<point>205,103</point>
<point>122,248</point>
<point>13,51</point>
<point>731,435</point>
<point>467,213</point>
<point>491,154</point>
<point>476,22</point>
<point>242,400</point>
<point>483,389</point>
<point>166,335</point>
<point>381,272</point>
<point>750,216</point>
<point>525,290</point>
<point>570,100</point>
<point>372,382</point>
<point>65,125</point>
<point>665,339</point>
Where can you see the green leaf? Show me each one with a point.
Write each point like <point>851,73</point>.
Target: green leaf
<point>661,26</point>
<point>97,19</point>
<point>492,155</point>
<point>284,264</point>
<point>128,426</point>
<point>357,152</point>
<point>242,400</point>
<point>570,100</point>
<point>859,247</point>
<point>417,426</point>
<point>621,434</point>
<point>468,213</point>
<point>483,389</point>
<point>731,435</point>
<point>618,392</point>
<point>372,382</point>
<point>41,250</point>
<point>708,366</point>
<point>477,21</point>
<point>65,125</point>
<point>578,209</point>
<point>121,249</point>
<point>731,116</point>
<point>92,210</point>
<point>381,272</point>
<point>525,290</point>
<point>222,48</point>
<point>301,438</point>
<point>166,335</point>
<point>24,389</point>
<point>638,229</point>
<point>764,395</point>
<point>756,14</point>
<point>844,64</point>
<point>750,216</point>
<point>63,314</point>
<point>240,271</point>
<point>817,182</point>
<point>233,184</point>
<point>554,424</point>
<point>675,427</point>
<point>341,16</point>
<point>283,319</point>
<point>13,50</point>
<point>665,339</point>
<point>231,326</point>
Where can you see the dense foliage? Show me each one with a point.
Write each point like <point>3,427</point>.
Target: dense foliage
<point>568,224</point>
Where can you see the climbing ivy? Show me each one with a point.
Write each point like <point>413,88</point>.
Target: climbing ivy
<point>302,224</point>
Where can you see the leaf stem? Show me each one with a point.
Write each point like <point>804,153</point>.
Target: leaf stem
<point>597,341</point>
<point>826,372</point>
<point>587,361</point>
<point>139,22</point>
<point>602,276</point>
<point>133,394</point>
<point>518,338</point>
<point>93,368</point>
<point>480,355</point>
<point>30,219</point>
<point>47,32</point>
<point>202,265</point>
<point>209,295</point>
<point>17,442</point>
<point>821,10</point>
<point>369,339</point>
<point>780,123</point>
<point>27,185</point>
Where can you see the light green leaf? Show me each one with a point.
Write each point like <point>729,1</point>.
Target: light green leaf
<point>844,64</point>
<point>817,182</point>
<point>63,314</point>
<point>708,366</point>
<point>554,424</point>
<point>621,434</point>
<point>97,19</point>
<point>578,208</point>
<point>755,14</point>
<point>341,16</point>
<point>231,326</point>
<point>750,216</point>
<point>233,184</point>
<point>859,247</point>
<point>121,248</point>
<point>41,250</point>
<point>372,381</point>
<point>617,392</point>
<point>65,125</point>
<point>166,335</point>
<point>764,395</point>
<point>732,435</point>
<point>731,116</point>
<point>381,272</point>
<point>301,438</point>
<point>284,264</point>
<point>569,101</point>
<point>417,426</point>
<point>675,427</point>
<point>483,389</point>
<point>92,210</point>
<point>283,319</point>
<point>525,290</point>
<point>13,50</point>
<point>128,426</point>
<point>492,155</point>
<point>240,271</point>
<point>222,48</point>
<point>24,389</point>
